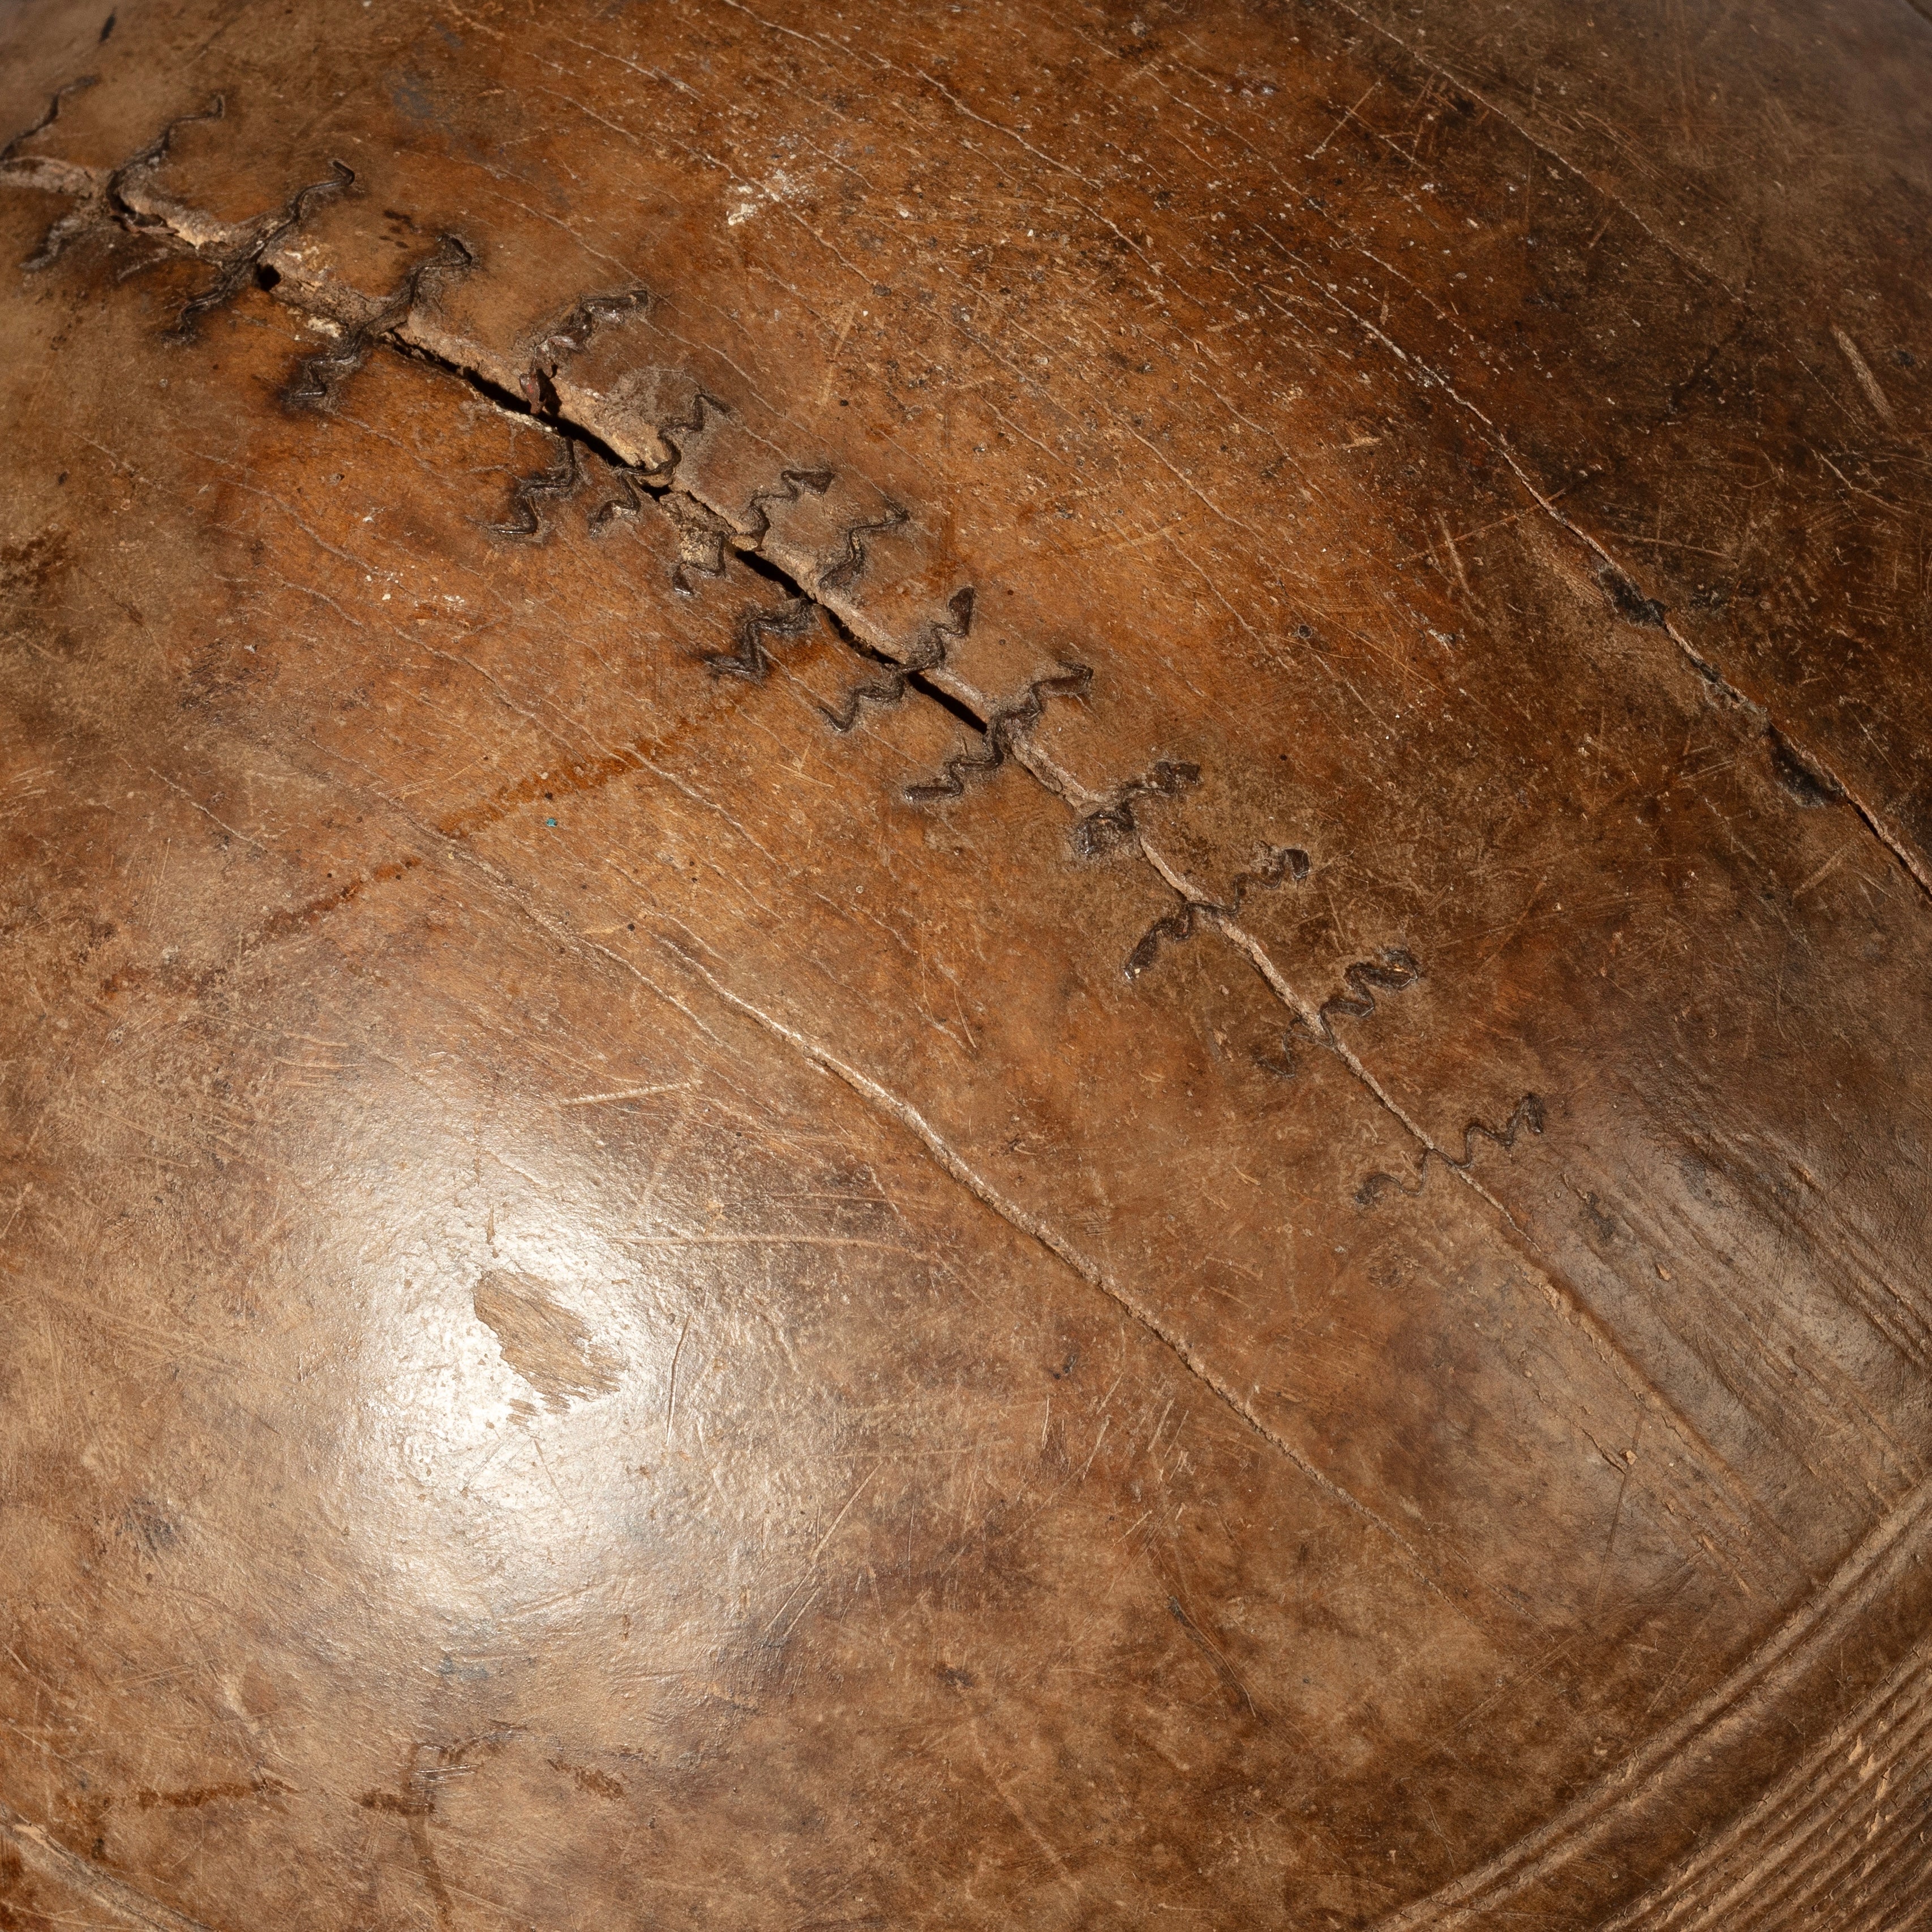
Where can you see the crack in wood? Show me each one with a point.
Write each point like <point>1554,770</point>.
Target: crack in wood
<point>710,531</point>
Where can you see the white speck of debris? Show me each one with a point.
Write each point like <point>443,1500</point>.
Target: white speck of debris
<point>747,198</point>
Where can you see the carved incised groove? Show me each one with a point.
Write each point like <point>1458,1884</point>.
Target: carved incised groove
<point>318,379</point>
<point>569,338</point>
<point>838,573</point>
<point>1527,1114</point>
<point>245,263</point>
<point>1396,972</point>
<point>1111,827</point>
<point>559,483</point>
<point>1287,862</point>
<point>717,514</point>
<point>1002,731</point>
<point>927,654</point>
<point>751,661</point>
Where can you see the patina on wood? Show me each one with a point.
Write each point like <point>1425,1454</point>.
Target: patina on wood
<point>965,966</point>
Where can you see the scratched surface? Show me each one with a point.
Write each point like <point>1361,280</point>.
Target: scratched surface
<point>964,968</point>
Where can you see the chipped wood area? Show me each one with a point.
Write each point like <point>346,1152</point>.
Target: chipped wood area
<point>966,966</point>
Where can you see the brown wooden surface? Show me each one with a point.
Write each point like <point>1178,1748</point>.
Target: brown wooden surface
<point>965,966</point>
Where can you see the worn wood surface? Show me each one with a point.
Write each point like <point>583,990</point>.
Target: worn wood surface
<point>965,966</point>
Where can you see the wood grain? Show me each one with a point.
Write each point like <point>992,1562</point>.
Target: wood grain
<point>966,965</point>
